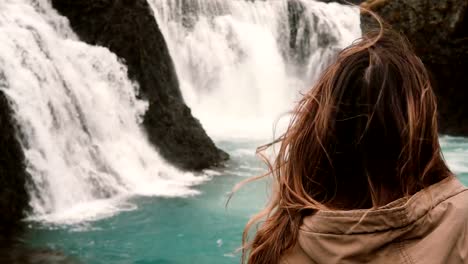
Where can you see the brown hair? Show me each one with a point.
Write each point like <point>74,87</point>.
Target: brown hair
<point>364,135</point>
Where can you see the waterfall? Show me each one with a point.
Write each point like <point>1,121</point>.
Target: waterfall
<point>79,120</point>
<point>242,64</point>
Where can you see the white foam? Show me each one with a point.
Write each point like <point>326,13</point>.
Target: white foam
<point>86,212</point>
<point>240,152</point>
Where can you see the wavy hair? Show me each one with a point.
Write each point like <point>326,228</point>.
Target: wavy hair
<point>364,135</point>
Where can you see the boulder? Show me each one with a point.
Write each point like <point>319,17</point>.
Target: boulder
<point>438,31</point>
<point>17,252</point>
<point>129,29</point>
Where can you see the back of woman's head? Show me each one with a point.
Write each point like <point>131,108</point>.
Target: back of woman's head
<point>364,135</point>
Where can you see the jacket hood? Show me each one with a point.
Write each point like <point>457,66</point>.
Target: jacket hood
<point>361,235</point>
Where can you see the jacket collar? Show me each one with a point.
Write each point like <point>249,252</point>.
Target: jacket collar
<point>397,214</point>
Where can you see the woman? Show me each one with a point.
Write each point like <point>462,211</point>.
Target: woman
<point>359,176</point>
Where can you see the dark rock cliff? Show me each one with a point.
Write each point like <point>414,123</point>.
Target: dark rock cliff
<point>13,195</point>
<point>438,31</point>
<point>129,29</point>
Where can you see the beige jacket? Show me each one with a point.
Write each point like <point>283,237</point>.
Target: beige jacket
<point>429,227</point>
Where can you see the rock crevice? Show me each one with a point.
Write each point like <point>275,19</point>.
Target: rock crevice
<point>14,198</point>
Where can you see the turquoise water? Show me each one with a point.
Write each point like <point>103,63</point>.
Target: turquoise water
<point>199,229</point>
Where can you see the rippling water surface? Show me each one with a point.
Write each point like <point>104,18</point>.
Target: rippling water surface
<point>200,229</point>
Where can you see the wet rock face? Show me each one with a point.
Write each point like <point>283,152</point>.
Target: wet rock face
<point>128,28</point>
<point>13,177</point>
<point>438,31</point>
<point>15,252</point>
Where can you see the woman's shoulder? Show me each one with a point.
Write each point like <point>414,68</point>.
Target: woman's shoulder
<point>456,202</point>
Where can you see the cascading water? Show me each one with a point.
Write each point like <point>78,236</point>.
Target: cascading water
<point>79,119</point>
<point>241,63</point>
